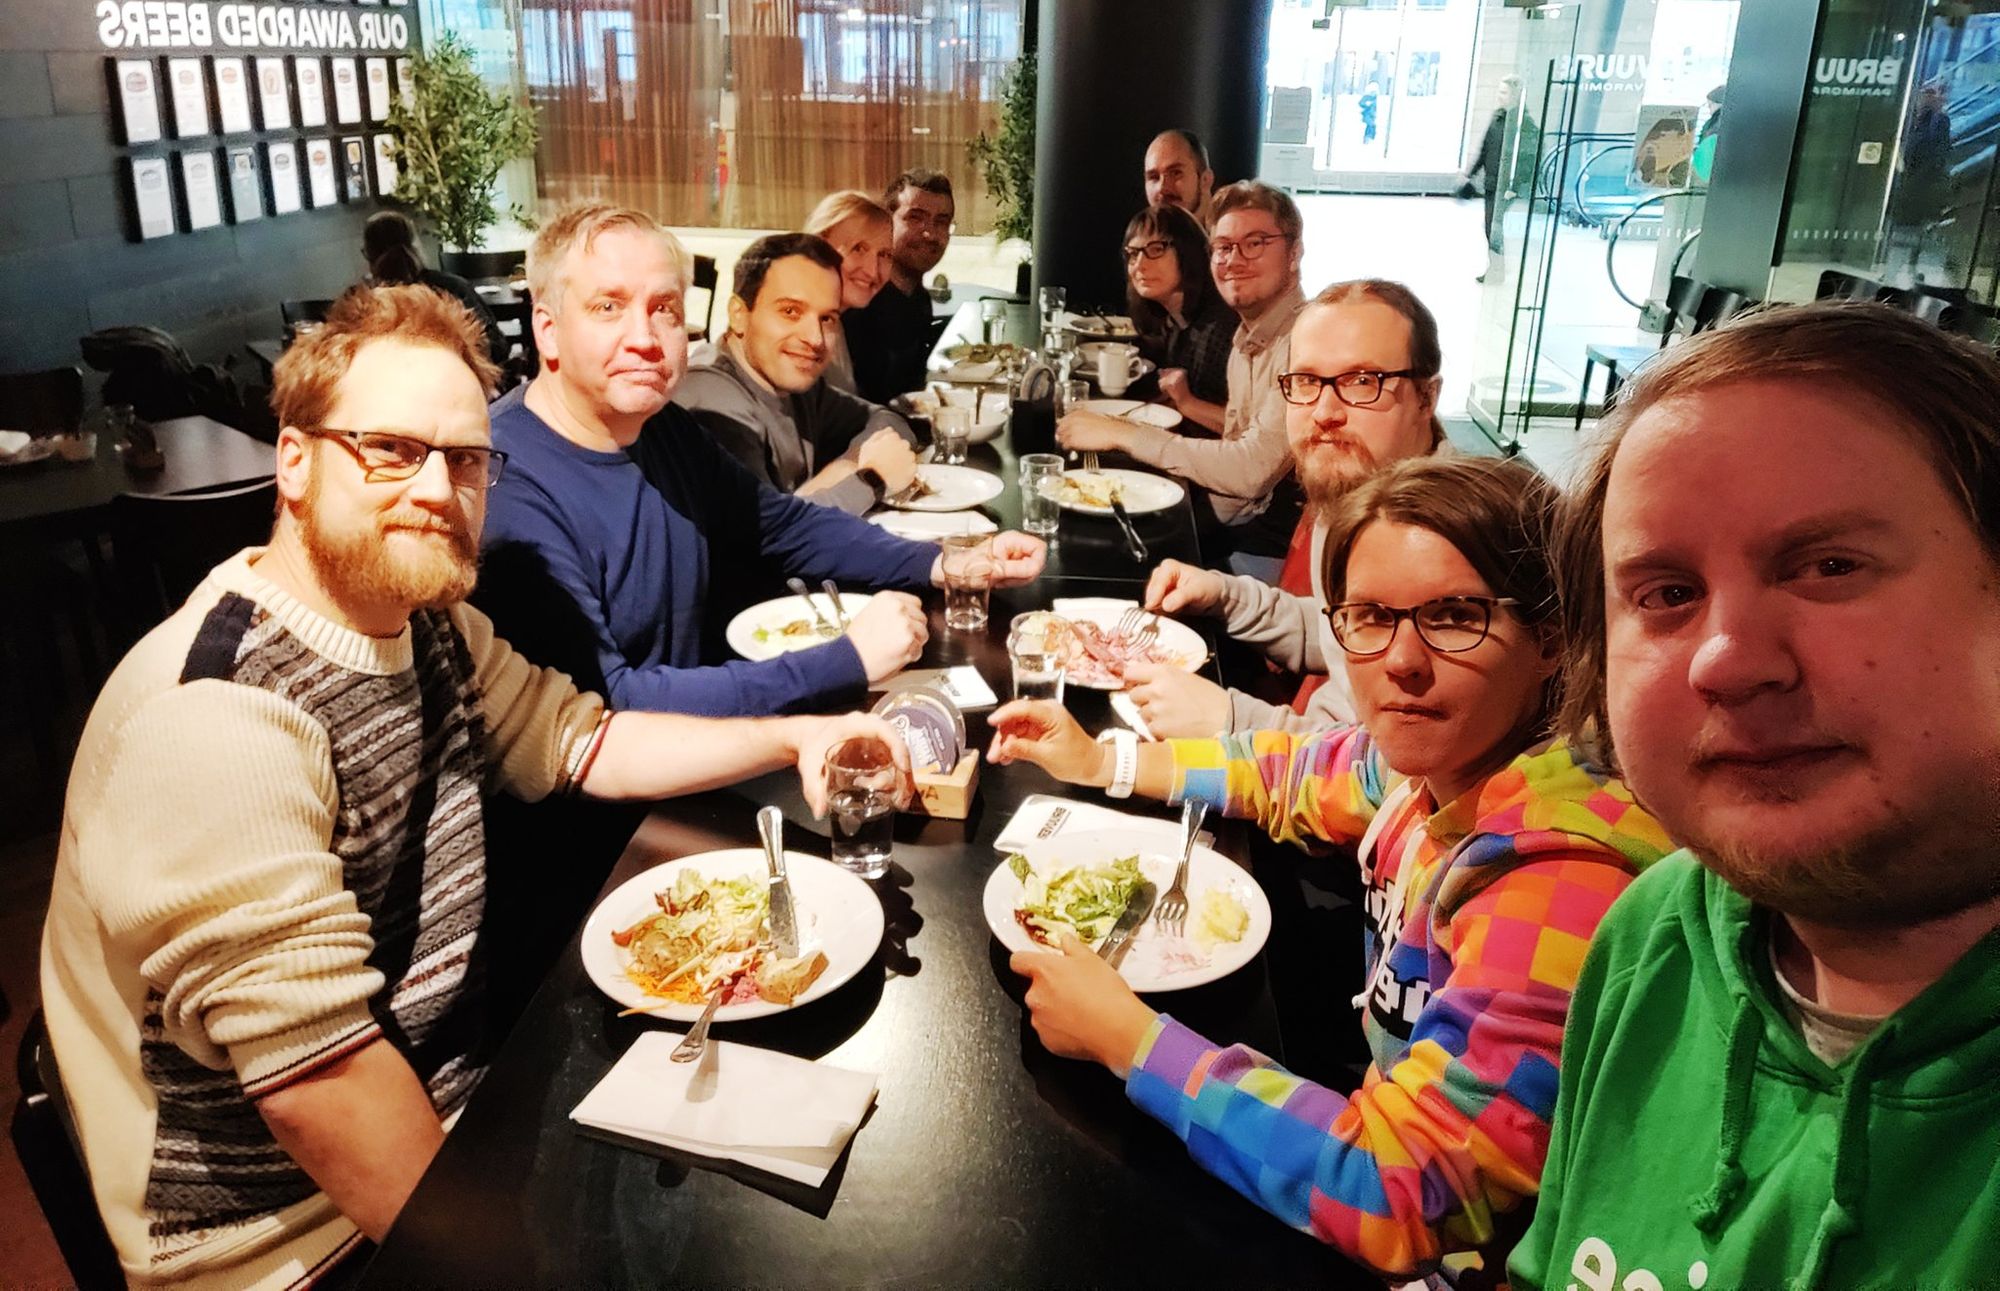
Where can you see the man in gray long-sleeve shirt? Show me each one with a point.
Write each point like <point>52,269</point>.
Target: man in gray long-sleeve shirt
<point>1360,394</point>
<point>763,394</point>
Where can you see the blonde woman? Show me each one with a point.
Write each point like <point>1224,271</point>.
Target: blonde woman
<point>860,229</point>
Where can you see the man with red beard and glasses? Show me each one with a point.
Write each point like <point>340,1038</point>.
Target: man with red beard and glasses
<point>263,963</point>
<point>1373,347</point>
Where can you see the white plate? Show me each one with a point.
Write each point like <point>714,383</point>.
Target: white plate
<point>1141,969</point>
<point>770,615</point>
<point>1105,611</point>
<point>1105,327</point>
<point>994,407</point>
<point>1140,491</point>
<point>1145,414</point>
<point>929,526</point>
<point>1086,361</point>
<point>837,912</point>
<point>34,451</point>
<point>954,488</point>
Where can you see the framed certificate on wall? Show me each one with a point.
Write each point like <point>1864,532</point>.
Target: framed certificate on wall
<point>232,95</point>
<point>138,99</point>
<point>187,84</point>
<point>310,76</point>
<point>386,172</point>
<point>321,184</point>
<point>199,188</point>
<point>153,198</point>
<point>354,167</point>
<point>246,185</point>
<point>274,96</point>
<point>346,90</point>
<point>281,159</point>
<point>378,89</point>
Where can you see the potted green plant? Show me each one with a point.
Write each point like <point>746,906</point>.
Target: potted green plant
<point>1008,158</point>
<point>453,135</point>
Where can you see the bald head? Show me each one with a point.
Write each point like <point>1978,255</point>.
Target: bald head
<point>1177,172</point>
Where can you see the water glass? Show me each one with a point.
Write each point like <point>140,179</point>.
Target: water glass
<point>1069,395</point>
<point>1038,649</point>
<point>993,321</point>
<point>1040,474</point>
<point>951,434</point>
<point>1052,301</point>
<point>967,561</point>
<point>861,785</point>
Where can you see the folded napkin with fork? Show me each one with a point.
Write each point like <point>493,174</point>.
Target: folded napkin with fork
<point>771,1111</point>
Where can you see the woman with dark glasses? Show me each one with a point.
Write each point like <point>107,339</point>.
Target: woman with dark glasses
<point>1489,854</point>
<point>1182,323</point>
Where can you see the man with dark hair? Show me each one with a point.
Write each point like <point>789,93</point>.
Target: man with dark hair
<point>1177,173</point>
<point>265,957</point>
<point>891,338</point>
<point>762,392</point>
<point>1782,576</point>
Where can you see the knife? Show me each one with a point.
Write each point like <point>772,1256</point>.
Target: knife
<point>1135,912</point>
<point>1133,546</point>
<point>784,921</point>
<point>800,590</point>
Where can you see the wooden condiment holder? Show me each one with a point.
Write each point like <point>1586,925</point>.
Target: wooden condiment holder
<point>947,797</point>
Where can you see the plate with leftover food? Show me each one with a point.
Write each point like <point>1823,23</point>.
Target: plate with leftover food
<point>1092,492</point>
<point>780,626</point>
<point>1103,649</point>
<point>664,939</point>
<point>947,488</point>
<point>1081,881</point>
<point>1164,416</point>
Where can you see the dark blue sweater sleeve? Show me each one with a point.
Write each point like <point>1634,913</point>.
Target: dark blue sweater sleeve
<point>537,583</point>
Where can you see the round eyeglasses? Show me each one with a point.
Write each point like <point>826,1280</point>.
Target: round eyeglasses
<point>1356,389</point>
<point>1250,248</point>
<point>1449,624</point>
<point>386,456</point>
<point>1152,250</point>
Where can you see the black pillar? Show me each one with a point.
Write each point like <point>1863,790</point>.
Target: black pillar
<point>1113,74</point>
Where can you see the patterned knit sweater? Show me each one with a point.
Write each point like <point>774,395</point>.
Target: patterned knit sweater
<point>272,855</point>
<point>1480,912</point>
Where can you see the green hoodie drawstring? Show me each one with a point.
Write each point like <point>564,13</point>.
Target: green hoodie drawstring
<point>1842,1216</point>
<point>1739,1070</point>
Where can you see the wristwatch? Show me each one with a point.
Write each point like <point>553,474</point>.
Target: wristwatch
<point>873,479</point>
<point>1124,762</point>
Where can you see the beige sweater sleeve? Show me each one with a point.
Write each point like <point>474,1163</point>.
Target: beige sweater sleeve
<point>1245,468</point>
<point>538,724</point>
<point>209,856</point>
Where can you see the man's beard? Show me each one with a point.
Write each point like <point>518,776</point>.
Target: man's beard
<point>1327,471</point>
<point>437,568</point>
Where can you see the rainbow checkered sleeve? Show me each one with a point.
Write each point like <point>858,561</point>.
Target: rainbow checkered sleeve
<point>1326,785</point>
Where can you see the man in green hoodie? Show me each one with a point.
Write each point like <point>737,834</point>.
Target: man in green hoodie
<point>1779,1068</point>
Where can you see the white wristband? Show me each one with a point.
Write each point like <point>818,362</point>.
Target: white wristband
<point>1124,762</point>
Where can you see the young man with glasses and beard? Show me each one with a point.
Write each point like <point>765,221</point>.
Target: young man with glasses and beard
<point>1782,569</point>
<point>263,965</point>
<point>1361,395</point>
<point>1254,253</point>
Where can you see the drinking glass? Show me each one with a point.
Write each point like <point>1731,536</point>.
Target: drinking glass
<point>1040,473</point>
<point>951,434</point>
<point>1070,394</point>
<point>993,321</point>
<point>967,561</point>
<point>861,803</point>
<point>1052,301</point>
<point>1038,647</point>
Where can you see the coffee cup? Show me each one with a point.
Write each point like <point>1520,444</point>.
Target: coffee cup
<point>1114,367</point>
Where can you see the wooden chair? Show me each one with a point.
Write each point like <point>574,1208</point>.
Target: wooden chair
<point>165,544</point>
<point>45,1140</point>
<point>704,279</point>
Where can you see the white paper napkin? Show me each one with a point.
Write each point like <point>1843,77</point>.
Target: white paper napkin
<point>768,1110</point>
<point>1127,709</point>
<point>963,685</point>
<point>12,442</point>
<point>1042,816</point>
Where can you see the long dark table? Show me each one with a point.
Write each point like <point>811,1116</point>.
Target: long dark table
<point>985,1160</point>
<point>200,454</point>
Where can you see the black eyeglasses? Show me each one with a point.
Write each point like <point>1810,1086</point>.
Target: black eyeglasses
<point>1449,624</point>
<point>1152,250</point>
<point>1355,389</point>
<point>386,456</point>
<point>1250,248</point>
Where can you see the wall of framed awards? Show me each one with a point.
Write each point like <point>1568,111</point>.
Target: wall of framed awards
<point>257,111</point>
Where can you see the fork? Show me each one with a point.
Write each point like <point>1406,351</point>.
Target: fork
<point>1090,462</point>
<point>696,1039</point>
<point>1139,625</point>
<point>1171,912</point>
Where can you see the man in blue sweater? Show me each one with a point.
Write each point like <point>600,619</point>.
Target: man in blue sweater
<point>620,520</point>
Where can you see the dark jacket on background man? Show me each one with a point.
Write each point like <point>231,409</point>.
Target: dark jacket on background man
<point>890,341</point>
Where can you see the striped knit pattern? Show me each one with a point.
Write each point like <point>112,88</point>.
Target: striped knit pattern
<point>407,752</point>
<point>1481,911</point>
